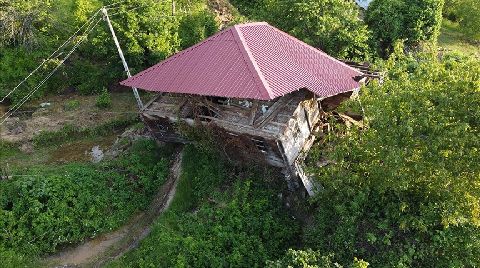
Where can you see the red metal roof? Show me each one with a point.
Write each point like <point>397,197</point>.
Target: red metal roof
<point>253,61</point>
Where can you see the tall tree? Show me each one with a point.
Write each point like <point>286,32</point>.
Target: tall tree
<point>414,21</point>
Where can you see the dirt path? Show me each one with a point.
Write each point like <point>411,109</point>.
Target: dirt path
<point>99,251</point>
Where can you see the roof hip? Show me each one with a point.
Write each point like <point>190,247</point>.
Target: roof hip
<point>251,62</point>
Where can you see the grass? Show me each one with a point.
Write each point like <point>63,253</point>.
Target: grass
<point>452,39</point>
<point>69,144</point>
<point>70,132</point>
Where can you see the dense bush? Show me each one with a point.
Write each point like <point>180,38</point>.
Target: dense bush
<point>196,27</point>
<point>465,12</point>
<point>12,259</point>
<point>104,100</point>
<point>311,259</point>
<point>145,29</point>
<point>413,21</point>
<point>48,207</point>
<point>467,15</point>
<point>239,222</point>
<point>405,191</point>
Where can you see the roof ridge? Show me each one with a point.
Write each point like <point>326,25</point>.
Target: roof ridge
<point>251,62</point>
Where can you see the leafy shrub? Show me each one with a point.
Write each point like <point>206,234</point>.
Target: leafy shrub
<point>147,36</point>
<point>88,76</point>
<point>311,259</point>
<point>71,105</point>
<point>197,26</point>
<point>245,222</point>
<point>12,259</point>
<point>21,22</point>
<point>413,21</point>
<point>53,206</point>
<point>16,64</point>
<point>404,192</point>
<point>104,100</point>
<point>7,149</point>
<point>465,12</point>
<point>469,20</point>
<point>450,9</point>
<point>204,172</point>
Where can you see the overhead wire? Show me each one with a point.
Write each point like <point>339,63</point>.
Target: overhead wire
<point>51,56</point>
<point>87,30</point>
<point>27,97</point>
<point>89,22</point>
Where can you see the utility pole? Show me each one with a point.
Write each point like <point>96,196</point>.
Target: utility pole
<point>173,7</point>
<point>120,53</point>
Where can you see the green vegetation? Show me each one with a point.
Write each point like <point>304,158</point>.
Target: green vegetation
<point>7,149</point>
<point>76,201</point>
<point>405,192</point>
<point>12,259</point>
<point>451,38</point>
<point>71,105</point>
<point>313,259</point>
<point>29,32</point>
<point>465,13</point>
<point>413,21</point>
<point>71,132</point>
<point>104,100</point>
<point>401,192</point>
<point>234,220</point>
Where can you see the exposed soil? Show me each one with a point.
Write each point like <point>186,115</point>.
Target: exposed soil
<point>24,125</point>
<point>78,151</point>
<point>108,247</point>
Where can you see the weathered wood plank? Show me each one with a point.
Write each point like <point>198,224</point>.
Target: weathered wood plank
<point>272,111</point>
<point>152,101</point>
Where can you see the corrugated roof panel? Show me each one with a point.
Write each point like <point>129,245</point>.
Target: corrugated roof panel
<point>289,64</point>
<point>255,61</point>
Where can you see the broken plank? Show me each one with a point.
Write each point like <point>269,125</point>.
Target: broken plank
<point>272,111</point>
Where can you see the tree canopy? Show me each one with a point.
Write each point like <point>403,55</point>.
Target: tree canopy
<point>412,21</point>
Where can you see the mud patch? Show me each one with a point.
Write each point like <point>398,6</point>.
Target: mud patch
<point>79,151</point>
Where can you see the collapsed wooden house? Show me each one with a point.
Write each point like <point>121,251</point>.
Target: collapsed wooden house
<point>252,81</point>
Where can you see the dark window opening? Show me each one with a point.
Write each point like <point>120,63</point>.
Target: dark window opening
<point>260,144</point>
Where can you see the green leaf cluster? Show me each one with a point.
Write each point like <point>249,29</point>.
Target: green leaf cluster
<point>465,12</point>
<point>311,259</point>
<point>104,100</point>
<point>146,29</point>
<point>47,207</point>
<point>414,22</point>
<point>237,221</point>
